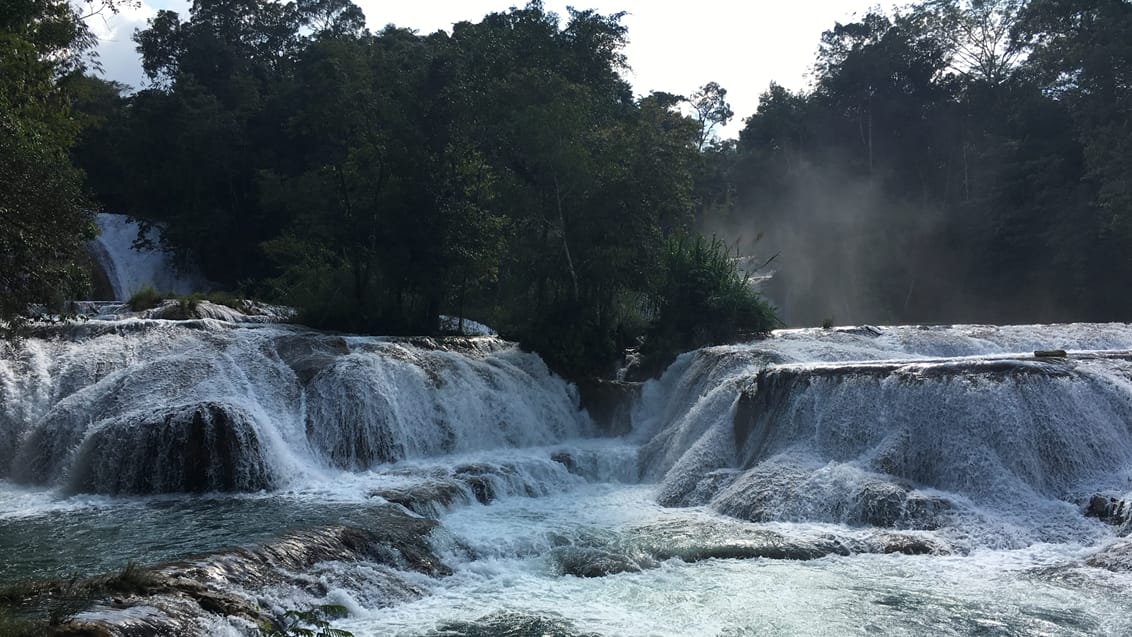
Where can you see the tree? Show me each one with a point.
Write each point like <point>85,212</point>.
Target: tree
<point>978,35</point>
<point>1080,56</point>
<point>378,180</point>
<point>45,218</point>
<point>208,124</point>
<point>1082,53</point>
<point>712,110</point>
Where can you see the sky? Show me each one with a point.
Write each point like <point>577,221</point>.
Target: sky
<point>674,46</point>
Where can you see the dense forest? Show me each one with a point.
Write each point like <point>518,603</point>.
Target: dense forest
<point>960,160</point>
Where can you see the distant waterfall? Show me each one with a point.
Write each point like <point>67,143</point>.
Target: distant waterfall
<point>129,269</point>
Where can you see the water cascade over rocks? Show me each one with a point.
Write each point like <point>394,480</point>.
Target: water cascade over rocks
<point>145,406</point>
<point>885,480</point>
<point>127,269</point>
<point>917,428</point>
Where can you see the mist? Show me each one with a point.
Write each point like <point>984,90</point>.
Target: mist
<point>845,252</point>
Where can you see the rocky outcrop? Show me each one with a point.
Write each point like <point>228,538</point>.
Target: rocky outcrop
<point>212,405</point>
<point>430,498</point>
<point>196,449</point>
<point>185,596</point>
<point>509,623</point>
<point>1111,510</point>
<point>431,491</point>
<point>594,554</point>
<point>1116,557</point>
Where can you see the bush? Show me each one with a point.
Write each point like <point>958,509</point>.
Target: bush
<point>703,299</point>
<point>568,339</point>
<point>145,298</point>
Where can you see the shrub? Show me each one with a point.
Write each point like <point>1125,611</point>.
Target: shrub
<point>145,298</point>
<point>704,298</point>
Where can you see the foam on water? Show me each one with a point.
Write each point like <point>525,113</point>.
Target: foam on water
<point>209,405</point>
<point>870,426</point>
<point>1002,592</point>
<point>898,481</point>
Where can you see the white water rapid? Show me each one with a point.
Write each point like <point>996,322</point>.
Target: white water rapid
<point>891,481</point>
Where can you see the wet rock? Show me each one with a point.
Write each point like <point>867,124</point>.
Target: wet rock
<point>507,624</point>
<point>881,504</point>
<point>697,541</point>
<point>101,287</point>
<point>907,544</point>
<point>196,448</point>
<point>609,403</point>
<point>701,492</point>
<point>482,489</point>
<point>309,354</point>
<point>466,345</point>
<point>567,460</point>
<point>788,492</point>
<point>1116,557</point>
<point>859,330</point>
<point>184,596</point>
<point>1114,511</point>
<point>888,505</point>
<point>478,479</point>
<point>591,561</point>
<point>10,430</point>
<point>429,498</point>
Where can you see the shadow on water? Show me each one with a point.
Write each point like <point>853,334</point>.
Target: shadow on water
<point>91,540</point>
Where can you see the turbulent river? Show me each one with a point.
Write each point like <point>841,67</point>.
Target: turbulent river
<point>892,480</point>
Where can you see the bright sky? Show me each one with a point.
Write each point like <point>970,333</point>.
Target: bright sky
<point>673,46</point>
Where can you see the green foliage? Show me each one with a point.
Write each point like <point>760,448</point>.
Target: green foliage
<point>46,218</point>
<point>957,160</point>
<point>704,299</point>
<point>145,298</point>
<point>378,180</point>
<point>314,622</point>
<point>961,160</point>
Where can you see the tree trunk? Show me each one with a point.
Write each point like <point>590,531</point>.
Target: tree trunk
<point>565,244</point>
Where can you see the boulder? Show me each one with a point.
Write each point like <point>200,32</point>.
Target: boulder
<point>194,448</point>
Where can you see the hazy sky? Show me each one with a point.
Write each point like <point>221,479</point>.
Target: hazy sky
<point>673,46</point>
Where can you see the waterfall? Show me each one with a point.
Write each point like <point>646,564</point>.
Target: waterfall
<point>900,427</point>
<point>152,406</point>
<point>905,476</point>
<point>129,269</point>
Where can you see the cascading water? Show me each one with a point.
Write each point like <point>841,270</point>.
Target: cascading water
<point>871,480</point>
<point>151,406</point>
<point>129,269</point>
